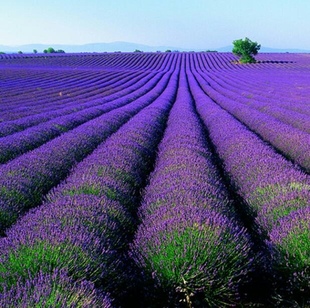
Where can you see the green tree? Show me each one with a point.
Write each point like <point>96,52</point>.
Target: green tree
<point>35,51</point>
<point>245,49</point>
<point>49,50</point>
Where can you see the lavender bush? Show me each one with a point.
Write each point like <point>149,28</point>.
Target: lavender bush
<point>186,243</point>
<point>252,166</point>
<point>26,179</point>
<point>54,290</point>
<point>84,228</point>
<point>234,154</point>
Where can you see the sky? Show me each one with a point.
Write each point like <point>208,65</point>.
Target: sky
<point>196,24</point>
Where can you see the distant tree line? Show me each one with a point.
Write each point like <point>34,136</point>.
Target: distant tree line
<point>52,50</point>
<point>48,50</point>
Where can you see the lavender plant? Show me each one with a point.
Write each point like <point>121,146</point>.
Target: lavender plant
<point>85,230</point>
<point>252,166</point>
<point>190,247</point>
<point>188,243</point>
<point>23,184</point>
<point>85,100</point>
<point>54,290</point>
<point>19,143</point>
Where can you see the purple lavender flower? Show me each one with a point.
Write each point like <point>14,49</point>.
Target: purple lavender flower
<point>189,243</point>
<point>53,290</point>
<point>26,179</point>
<point>85,226</point>
<point>272,187</point>
<point>190,246</point>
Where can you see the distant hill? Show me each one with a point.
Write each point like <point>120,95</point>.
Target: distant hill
<point>267,49</point>
<point>94,47</point>
<point>124,47</point>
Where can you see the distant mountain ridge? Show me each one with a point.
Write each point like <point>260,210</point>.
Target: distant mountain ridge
<point>92,47</point>
<point>124,47</point>
<point>267,49</point>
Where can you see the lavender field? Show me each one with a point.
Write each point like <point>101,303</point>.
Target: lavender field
<point>154,180</point>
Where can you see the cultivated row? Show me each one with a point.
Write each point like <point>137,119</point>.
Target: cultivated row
<point>88,220</point>
<point>292,142</point>
<point>168,182</point>
<point>25,179</point>
<point>19,143</point>
<point>189,243</point>
<point>274,190</point>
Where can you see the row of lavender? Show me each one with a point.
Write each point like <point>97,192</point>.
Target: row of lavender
<point>184,203</point>
<point>270,91</point>
<point>37,97</point>
<point>61,78</point>
<point>35,114</point>
<point>294,143</point>
<point>260,95</point>
<point>276,192</point>
<point>47,83</point>
<point>13,145</point>
<point>213,215</point>
<point>286,131</point>
<point>45,89</point>
<point>88,221</point>
<point>27,178</point>
<point>117,61</point>
<point>189,244</point>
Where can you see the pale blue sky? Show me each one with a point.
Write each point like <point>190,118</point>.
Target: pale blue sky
<point>179,23</point>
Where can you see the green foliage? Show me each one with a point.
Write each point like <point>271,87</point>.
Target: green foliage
<point>245,49</point>
<point>295,249</point>
<point>20,52</point>
<point>42,256</point>
<point>35,51</point>
<point>293,263</point>
<point>84,190</point>
<point>168,50</point>
<point>52,50</point>
<point>49,50</point>
<point>200,260</point>
<point>267,193</point>
<point>52,290</point>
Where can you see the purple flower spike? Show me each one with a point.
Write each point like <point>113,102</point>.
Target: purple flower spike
<point>54,290</point>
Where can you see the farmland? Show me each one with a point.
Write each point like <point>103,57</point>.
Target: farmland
<point>154,180</point>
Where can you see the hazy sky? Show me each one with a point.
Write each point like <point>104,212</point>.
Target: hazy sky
<point>179,23</point>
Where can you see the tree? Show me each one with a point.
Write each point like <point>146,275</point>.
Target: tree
<point>52,50</point>
<point>35,51</point>
<point>49,50</point>
<point>245,49</point>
